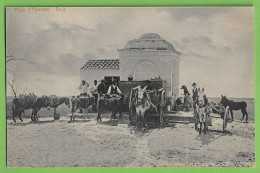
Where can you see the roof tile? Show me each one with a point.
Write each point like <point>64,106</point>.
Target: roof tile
<point>101,64</point>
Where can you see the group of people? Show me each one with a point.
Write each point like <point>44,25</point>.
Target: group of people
<point>187,98</point>
<point>101,88</point>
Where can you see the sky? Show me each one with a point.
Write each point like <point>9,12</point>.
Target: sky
<point>216,45</point>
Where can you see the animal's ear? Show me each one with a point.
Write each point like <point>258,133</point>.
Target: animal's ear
<point>198,89</point>
<point>202,89</point>
<point>221,95</point>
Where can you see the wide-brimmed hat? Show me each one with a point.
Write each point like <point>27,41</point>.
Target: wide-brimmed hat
<point>183,87</point>
<point>102,80</point>
<point>194,84</point>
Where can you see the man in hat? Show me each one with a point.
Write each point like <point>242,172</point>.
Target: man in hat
<point>102,89</point>
<point>185,90</point>
<point>84,88</point>
<point>113,89</point>
<point>194,92</point>
<point>187,99</point>
<point>194,95</point>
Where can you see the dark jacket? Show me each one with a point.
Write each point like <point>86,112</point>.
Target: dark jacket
<point>186,91</point>
<point>102,88</point>
<point>195,93</point>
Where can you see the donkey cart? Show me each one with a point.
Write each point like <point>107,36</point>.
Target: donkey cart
<point>203,115</point>
<point>146,102</point>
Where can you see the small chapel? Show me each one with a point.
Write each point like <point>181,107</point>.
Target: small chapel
<point>149,57</point>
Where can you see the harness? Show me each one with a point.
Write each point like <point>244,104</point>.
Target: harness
<point>201,105</point>
<point>147,92</point>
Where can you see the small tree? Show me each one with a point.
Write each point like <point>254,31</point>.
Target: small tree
<point>11,83</point>
<point>10,57</point>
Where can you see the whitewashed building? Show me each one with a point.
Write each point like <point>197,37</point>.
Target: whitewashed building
<point>147,57</point>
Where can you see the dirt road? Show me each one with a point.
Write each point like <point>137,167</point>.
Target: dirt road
<point>86,143</point>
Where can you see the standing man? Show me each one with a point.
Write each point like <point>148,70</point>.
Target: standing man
<point>94,91</point>
<point>187,99</point>
<point>194,98</point>
<point>102,89</point>
<point>84,88</point>
<point>194,94</point>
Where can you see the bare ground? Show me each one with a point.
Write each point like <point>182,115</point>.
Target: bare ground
<point>86,143</point>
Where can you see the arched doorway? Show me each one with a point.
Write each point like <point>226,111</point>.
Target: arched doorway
<point>145,71</point>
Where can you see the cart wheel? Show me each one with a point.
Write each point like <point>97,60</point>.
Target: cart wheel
<point>225,118</point>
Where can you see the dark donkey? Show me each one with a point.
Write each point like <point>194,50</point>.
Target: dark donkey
<point>48,102</point>
<point>235,106</point>
<point>19,105</point>
<point>81,103</point>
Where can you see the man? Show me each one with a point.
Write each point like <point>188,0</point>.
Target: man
<point>102,89</point>
<point>94,91</point>
<point>185,90</point>
<point>187,99</point>
<point>84,89</point>
<point>113,89</point>
<point>194,94</point>
<point>130,78</point>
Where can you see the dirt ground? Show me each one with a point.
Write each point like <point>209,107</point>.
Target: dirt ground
<point>86,143</point>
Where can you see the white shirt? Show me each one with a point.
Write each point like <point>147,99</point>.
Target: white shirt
<point>93,89</point>
<point>84,89</point>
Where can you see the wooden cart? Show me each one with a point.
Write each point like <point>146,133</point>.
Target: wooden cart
<point>127,88</point>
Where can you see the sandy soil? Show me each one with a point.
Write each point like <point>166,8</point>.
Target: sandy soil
<point>86,143</point>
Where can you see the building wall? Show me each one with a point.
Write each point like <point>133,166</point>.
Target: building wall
<point>91,75</point>
<point>165,61</point>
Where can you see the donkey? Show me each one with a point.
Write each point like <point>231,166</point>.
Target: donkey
<point>235,106</point>
<point>24,102</point>
<point>81,103</point>
<point>145,101</point>
<point>201,111</point>
<point>44,102</point>
<point>110,102</point>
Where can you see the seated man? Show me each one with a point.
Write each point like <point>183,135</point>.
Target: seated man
<point>113,89</point>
